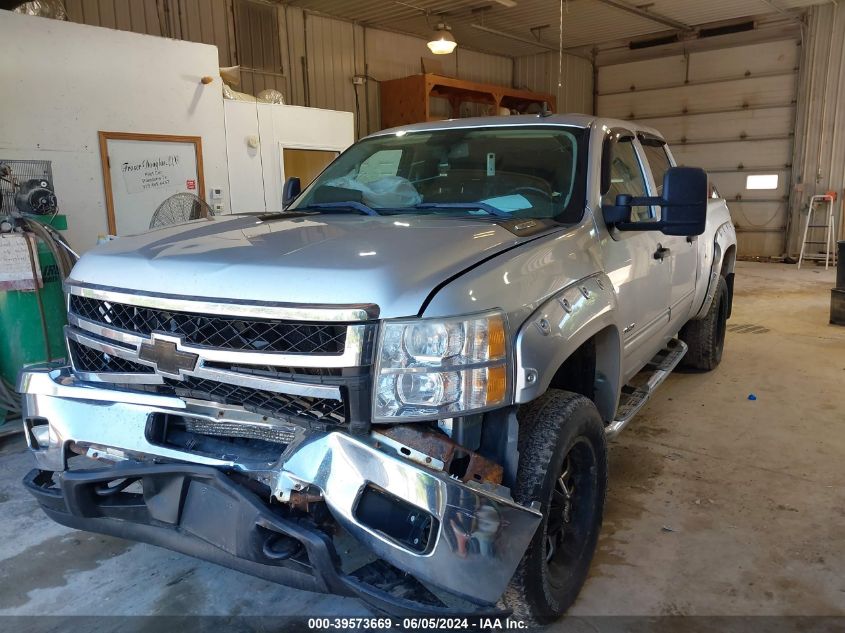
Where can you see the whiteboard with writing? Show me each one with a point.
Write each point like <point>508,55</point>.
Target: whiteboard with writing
<point>143,174</point>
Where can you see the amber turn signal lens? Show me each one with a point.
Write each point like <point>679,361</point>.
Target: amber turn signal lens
<point>496,338</point>
<point>497,384</point>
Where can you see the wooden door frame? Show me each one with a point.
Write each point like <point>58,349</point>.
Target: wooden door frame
<point>105,137</point>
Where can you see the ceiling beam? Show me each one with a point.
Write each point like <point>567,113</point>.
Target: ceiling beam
<point>648,15</point>
<point>783,11</point>
<point>517,38</point>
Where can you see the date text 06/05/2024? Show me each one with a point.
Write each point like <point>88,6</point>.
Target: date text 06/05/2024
<point>432,623</point>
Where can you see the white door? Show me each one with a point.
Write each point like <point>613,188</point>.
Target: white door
<point>143,173</point>
<point>730,111</point>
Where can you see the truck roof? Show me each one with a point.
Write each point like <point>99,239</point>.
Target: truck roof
<point>576,120</point>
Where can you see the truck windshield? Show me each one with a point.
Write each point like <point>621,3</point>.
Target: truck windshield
<point>507,171</point>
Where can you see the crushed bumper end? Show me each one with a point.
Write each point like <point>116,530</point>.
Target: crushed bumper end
<point>199,511</point>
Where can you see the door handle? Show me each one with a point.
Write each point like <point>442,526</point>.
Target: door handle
<point>662,252</point>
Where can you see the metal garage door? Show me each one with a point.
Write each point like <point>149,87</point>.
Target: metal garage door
<point>730,111</point>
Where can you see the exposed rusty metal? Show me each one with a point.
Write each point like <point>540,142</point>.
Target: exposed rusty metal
<point>301,500</point>
<point>443,449</point>
<point>483,470</point>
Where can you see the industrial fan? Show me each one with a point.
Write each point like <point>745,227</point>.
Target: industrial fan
<point>36,197</point>
<point>179,208</point>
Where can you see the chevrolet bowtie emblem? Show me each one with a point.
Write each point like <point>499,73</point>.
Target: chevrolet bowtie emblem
<point>167,359</point>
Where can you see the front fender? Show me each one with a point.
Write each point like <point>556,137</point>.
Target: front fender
<point>582,310</point>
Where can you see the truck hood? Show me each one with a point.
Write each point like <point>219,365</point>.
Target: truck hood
<point>391,261</point>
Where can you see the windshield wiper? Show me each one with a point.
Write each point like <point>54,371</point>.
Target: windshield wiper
<point>482,206</point>
<point>350,205</point>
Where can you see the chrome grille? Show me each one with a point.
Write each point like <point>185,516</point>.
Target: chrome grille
<point>306,365</point>
<point>275,371</point>
<point>90,360</point>
<point>216,331</point>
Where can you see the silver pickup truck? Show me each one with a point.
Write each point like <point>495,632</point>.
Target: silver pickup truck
<point>400,388</point>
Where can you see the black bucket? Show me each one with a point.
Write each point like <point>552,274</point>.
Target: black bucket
<point>840,264</point>
<point>837,294</point>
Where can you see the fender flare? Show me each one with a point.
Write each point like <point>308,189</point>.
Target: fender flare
<point>725,237</point>
<point>564,322</point>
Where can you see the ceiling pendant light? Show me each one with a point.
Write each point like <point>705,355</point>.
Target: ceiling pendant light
<point>442,41</point>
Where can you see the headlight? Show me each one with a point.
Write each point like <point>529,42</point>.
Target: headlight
<point>439,368</point>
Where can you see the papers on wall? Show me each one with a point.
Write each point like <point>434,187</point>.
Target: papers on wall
<point>18,258</point>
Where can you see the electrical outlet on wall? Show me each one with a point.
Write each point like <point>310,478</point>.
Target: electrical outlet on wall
<point>358,80</point>
<point>216,193</point>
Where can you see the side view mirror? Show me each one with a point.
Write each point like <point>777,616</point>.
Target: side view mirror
<point>683,205</point>
<point>292,188</point>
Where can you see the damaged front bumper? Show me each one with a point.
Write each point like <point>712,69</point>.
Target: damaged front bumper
<point>197,504</point>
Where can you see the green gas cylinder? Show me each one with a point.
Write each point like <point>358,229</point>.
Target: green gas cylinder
<point>22,339</point>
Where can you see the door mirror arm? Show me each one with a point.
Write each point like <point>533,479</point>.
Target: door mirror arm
<point>619,214</point>
<point>683,204</point>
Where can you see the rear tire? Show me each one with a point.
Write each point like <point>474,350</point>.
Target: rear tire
<point>706,337</point>
<point>563,465</point>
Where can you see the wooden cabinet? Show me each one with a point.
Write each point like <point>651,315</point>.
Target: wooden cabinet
<point>409,100</point>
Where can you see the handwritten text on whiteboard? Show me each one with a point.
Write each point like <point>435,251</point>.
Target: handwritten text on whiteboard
<point>160,172</point>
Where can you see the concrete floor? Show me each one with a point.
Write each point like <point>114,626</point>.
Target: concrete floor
<point>718,504</point>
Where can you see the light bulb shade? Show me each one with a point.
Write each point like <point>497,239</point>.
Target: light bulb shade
<point>442,42</point>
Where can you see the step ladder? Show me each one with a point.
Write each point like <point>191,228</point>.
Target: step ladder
<point>820,205</point>
<point>641,387</point>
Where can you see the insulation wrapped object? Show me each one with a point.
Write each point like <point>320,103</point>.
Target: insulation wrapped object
<point>270,95</point>
<point>44,8</point>
<point>230,93</point>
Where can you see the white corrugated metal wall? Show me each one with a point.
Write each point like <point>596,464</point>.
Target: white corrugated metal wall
<point>491,69</point>
<point>319,54</point>
<point>331,56</point>
<point>204,21</point>
<point>730,111</point>
<point>820,133</point>
<point>140,17</point>
<point>540,72</point>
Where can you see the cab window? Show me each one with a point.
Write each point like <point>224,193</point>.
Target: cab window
<point>658,161</point>
<point>626,175</point>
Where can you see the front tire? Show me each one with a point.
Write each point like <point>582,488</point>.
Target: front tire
<point>706,337</point>
<point>563,465</point>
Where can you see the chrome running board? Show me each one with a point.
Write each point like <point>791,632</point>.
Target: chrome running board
<point>634,396</point>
